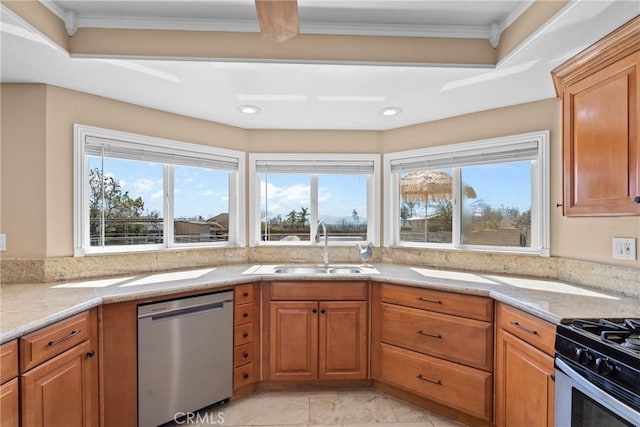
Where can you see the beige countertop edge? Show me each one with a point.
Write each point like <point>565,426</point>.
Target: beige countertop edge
<point>401,275</point>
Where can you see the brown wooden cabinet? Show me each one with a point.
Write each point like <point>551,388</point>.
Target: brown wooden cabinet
<point>9,393</point>
<point>601,139</point>
<point>59,374</point>
<point>314,338</point>
<point>436,345</point>
<point>524,367</point>
<point>246,364</point>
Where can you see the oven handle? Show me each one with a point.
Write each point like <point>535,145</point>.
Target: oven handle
<point>595,393</point>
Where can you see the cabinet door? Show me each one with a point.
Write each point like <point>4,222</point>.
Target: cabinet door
<point>601,153</point>
<point>343,340</point>
<point>9,403</point>
<point>293,340</point>
<point>524,388</point>
<point>62,391</point>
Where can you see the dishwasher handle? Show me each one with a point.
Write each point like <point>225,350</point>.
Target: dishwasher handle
<point>177,312</point>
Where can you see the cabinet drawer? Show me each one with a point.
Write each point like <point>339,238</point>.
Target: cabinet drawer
<point>454,338</point>
<point>45,343</point>
<point>8,361</point>
<point>242,355</point>
<point>537,332</point>
<point>243,314</point>
<point>461,387</point>
<point>318,291</point>
<point>243,334</point>
<point>243,376</point>
<point>471,306</point>
<point>244,294</point>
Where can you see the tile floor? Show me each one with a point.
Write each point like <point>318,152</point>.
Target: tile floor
<point>353,408</point>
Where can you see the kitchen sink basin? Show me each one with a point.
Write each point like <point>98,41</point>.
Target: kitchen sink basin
<point>316,270</point>
<point>311,269</point>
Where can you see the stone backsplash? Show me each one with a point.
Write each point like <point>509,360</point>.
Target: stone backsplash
<point>625,280</point>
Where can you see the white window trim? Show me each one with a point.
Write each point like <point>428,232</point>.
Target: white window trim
<point>540,215</point>
<point>373,196</point>
<point>81,193</point>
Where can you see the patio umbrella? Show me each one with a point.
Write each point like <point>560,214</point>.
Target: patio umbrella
<point>429,186</point>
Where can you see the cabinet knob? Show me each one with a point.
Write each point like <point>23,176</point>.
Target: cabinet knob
<point>245,355</point>
<point>314,311</point>
<point>636,200</point>
<point>90,353</point>
<point>245,334</point>
<point>245,375</point>
<point>323,311</point>
<point>245,315</point>
<point>245,294</point>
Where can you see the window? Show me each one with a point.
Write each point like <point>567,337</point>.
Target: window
<point>483,195</point>
<point>134,192</point>
<point>290,193</point>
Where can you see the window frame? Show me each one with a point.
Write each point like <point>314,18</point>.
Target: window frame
<point>540,192</point>
<point>82,239</point>
<point>373,196</point>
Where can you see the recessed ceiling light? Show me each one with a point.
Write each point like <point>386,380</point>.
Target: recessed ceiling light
<point>390,111</point>
<point>249,109</point>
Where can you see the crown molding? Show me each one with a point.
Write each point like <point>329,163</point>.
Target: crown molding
<point>330,28</point>
<point>489,32</point>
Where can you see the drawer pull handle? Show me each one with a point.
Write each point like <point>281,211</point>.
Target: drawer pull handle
<point>245,355</point>
<point>433,301</point>
<point>527,330</point>
<point>427,334</point>
<point>423,378</point>
<point>71,335</point>
<point>90,354</point>
<point>245,334</point>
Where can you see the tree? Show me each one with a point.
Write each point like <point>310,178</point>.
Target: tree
<point>302,216</point>
<point>407,210</point>
<point>356,218</point>
<point>292,217</point>
<point>442,218</point>
<point>115,205</point>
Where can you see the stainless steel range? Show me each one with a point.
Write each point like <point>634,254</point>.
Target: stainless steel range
<point>598,373</point>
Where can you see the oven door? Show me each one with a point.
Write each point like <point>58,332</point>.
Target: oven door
<point>580,403</point>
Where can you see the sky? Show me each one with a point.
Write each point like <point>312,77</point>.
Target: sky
<point>201,192</point>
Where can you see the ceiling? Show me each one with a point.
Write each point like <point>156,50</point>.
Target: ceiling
<point>311,95</point>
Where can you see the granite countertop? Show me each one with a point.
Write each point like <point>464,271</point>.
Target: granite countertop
<point>27,307</point>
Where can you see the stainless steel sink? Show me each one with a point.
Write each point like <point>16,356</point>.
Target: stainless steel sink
<point>316,270</point>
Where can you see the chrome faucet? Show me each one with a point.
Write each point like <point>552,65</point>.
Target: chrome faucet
<point>325,252</point>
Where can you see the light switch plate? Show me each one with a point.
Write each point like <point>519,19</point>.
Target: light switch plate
<point>624,248</point>
<point>3,242</point>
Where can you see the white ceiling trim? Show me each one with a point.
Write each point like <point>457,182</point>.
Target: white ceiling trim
<point>332,28</point>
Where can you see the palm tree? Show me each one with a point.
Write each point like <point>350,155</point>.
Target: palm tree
<point>302,216</point>
<point>292,217</point>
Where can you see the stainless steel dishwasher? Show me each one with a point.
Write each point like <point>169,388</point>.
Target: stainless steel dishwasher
<point>185,356</point>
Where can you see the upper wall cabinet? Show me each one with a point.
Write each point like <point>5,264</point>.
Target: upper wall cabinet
<point>601,142</point>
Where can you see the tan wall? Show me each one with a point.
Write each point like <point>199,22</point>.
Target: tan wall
<point>23,202</point>
<point>576,238</point>
<point>44,197</point>
<point>314,141</point>
<point>44,172</point>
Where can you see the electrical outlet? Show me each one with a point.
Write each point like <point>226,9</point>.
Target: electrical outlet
<point>624,248</point>
<point>3,242</point>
